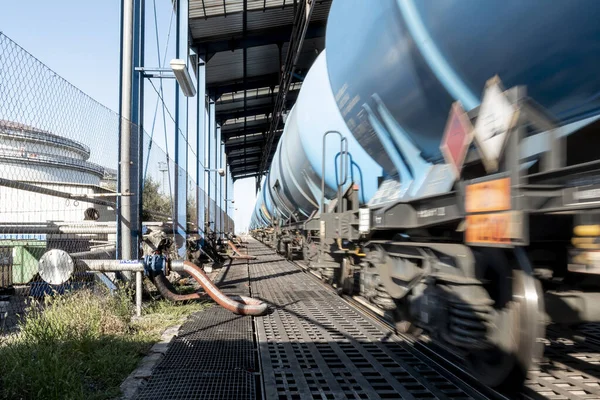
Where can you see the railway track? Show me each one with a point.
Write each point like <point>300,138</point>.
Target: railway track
<point>570,369</point>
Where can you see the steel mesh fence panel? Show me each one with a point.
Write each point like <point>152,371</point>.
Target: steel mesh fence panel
<point>192,206</point>
<point>59,160</point>
<point>58,179</point>
<point>158,181</point>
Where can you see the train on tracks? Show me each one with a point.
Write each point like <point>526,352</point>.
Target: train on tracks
<point>442,164</point>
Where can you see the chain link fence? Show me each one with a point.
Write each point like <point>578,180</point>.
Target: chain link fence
<point>58,177</point>
<point>58,180</point>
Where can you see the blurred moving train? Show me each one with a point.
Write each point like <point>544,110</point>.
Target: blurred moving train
<point>441,165</point>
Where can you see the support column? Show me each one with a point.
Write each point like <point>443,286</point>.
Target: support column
<point>130,129</point>
<point>200,133</point>
<point>137,119</point>
<point>218,179</point>
<point>227,199</point>
<point>224,187</point>
<point>210,157</point>
<point>181,133</point>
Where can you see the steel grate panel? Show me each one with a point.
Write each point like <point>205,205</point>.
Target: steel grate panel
<point>570,368</point>
<point>315,346</point>
<point>214,354</point>
<point>217,385</point>
<point>184,354</point>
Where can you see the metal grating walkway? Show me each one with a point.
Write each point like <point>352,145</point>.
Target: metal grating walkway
<point>315,346</point>
<point>312,345</point>
<point>214,354</point>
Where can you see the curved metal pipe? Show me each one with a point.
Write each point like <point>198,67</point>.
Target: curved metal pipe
<point>239,305</point>
<point>168,291</point>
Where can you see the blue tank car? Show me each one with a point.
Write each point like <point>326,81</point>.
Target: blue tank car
<point>412,59</point>
<point>474,258</point>
<point>293,184</point>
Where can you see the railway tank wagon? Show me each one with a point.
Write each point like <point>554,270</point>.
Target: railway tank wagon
<point>396,70</point>
<point>296,176</point>
<point>412,59</point>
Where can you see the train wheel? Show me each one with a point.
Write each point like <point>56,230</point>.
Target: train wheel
<point>515,331</point>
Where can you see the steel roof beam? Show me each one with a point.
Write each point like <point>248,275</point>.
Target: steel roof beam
<point>216,89</point>
<point>252,127</point>
<point>251,96</point>
<point>239,144</point>
<point>249,167</point>
<point>301,22</point>
<point>236,153</point>
<point>263,109</point>
<point>245,175</point>
<point>256,38</point>
<point>244,161</point>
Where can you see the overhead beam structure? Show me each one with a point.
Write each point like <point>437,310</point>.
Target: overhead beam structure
<point>301,22</point>
<point>252,49</point>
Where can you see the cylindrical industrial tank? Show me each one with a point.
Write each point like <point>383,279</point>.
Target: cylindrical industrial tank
<point>276,186</point>
<point>295,175</point>
<point>420,56</point>
<point>262,214</point>
<point>316,114</point>
<point>266,207</point>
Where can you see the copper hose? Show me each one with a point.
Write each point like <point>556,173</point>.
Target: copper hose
<point>240,305</point>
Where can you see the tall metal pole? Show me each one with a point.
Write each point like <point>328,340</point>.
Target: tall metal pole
<point>223,200</point>
<point>125,210</point>
<point>200,140</point>
<point>138,97</point>
<point>181,131</point>
<point>227,200</point>
<point>218,180</point>
<point>212,129</point>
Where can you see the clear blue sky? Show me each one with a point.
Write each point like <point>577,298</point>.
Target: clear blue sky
<point>79,39</point>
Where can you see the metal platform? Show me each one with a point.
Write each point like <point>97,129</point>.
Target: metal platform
<point>214,354</point>
<point>314,345</point>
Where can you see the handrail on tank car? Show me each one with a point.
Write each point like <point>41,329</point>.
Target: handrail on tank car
<point>343,167</point>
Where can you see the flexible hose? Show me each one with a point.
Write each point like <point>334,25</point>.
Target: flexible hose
<point>166,289</point>
<point>243,306</point>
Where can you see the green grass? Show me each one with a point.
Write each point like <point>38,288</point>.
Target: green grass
<point>82,345</point>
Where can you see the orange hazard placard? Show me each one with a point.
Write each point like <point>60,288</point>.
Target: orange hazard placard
<point>488,196</point>
<point>494,228</point>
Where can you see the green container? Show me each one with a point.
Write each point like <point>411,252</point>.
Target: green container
<point>23,253</point>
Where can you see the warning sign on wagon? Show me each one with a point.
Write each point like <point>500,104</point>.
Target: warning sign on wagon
<point>493,228</point>
<point>457,138</point>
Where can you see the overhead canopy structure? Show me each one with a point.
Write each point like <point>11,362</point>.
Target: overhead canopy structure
<point>251,48</point>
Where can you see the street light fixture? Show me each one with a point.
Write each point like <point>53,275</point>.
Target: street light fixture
<point>220,171</point>
<point>183,77</point>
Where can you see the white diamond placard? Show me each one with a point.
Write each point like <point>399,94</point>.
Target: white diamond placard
<point>496,118</point>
